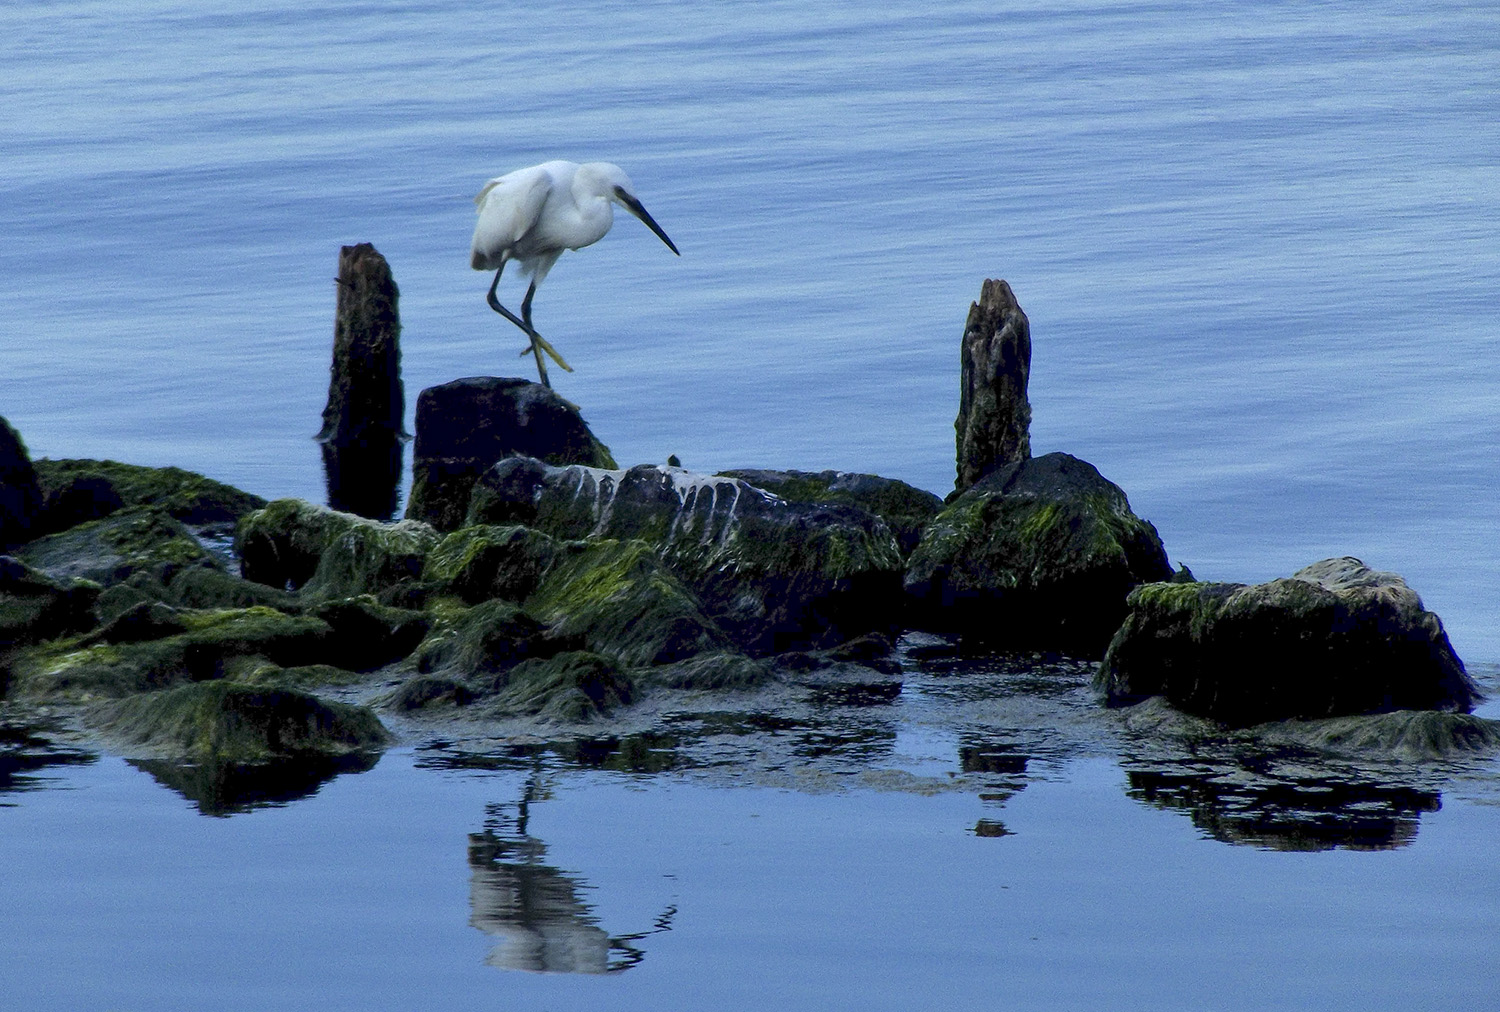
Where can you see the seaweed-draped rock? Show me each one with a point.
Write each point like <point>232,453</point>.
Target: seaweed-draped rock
<point>465,426</point>
<point>1038,554</point>
<point>20,495</point>
<point>905,509</point>
<point>774,575</point>
<point>1336,638</point>
<point>325,553</point>
<point>77,491</point>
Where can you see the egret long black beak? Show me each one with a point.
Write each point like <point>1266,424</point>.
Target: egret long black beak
<point>634,207</point>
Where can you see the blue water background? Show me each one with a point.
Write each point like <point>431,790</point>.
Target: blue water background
<point>1258,243</point>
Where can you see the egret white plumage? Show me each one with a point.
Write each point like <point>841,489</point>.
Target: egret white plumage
<point>534,215</point>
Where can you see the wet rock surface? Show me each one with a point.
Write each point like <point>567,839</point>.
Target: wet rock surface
<point>1041,553</point>
<point>994,415</point>
<point>465,426</point>
<point>1334,639</point>
<point>20,495</point>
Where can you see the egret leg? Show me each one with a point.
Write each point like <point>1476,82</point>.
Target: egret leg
<point>538,339</point>
<point>541,366</point>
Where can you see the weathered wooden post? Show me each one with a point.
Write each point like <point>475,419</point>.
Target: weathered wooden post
<point>994,414</point>
<point>362,423</point>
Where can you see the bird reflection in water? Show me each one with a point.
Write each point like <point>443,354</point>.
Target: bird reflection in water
<point>536,910</point>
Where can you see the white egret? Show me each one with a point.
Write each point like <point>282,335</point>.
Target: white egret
<point>533,215</point>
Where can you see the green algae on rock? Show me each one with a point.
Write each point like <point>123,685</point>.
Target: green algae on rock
<point>324,553</point>
<point>80,490</point>
<point>229,721</point>
<point>1337,638</point>
<point>1038,554</point>
<point>905,509</point>
<point>571,687</point>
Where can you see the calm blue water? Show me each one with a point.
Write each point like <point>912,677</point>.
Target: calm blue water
<point>1259,245</point>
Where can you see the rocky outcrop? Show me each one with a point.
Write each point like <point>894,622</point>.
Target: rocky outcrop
<point>1334,639</point>
<point>325,553</point>
<point>773,574</point>
<point>994,414</point>
<point>1039,554</point>
<point>465,426</point>
<point>20,496</point>
<point>77,491</point>
<point>905,509</point>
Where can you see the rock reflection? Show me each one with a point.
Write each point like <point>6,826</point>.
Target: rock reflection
<point>1290,810</point>
<point>25,752</point>
<point>224,789</point>
<point>537,910</point>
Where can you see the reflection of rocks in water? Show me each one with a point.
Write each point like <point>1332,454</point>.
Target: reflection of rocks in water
<point>1292,809</point>
<point>223,789</point>
<point>24,753</point>
<point>990,827</point>
<point>535,909</point>
<point>647,752</point>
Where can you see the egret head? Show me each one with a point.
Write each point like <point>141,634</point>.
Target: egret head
<point>616,186</point>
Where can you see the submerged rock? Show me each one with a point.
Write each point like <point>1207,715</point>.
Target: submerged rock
<point>227,721</point>
<point>994,414</point>
<point>774,575</point>
<point>465,426</point>
<point>1337,638</point>
<point>1038,554</point>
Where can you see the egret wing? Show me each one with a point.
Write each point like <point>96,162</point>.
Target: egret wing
<point>509,206</point>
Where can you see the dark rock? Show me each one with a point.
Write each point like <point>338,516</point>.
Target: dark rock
<point>20,495</point>
<point>366,405</point>
<point>465,426</point>
<point>369,635</point>
<point>1039,554</point>
<point>148,620</point>
<point>994,414</point>
<point>292,543</point>
<point>228,721</point>
<point>423,691</point>
<point>772,574</point>
<point>905,509</point>
<point>77,491</point>
<point>1335,639</point>
<point>35,607</point>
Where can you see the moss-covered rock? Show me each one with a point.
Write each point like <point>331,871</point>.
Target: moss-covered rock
<point>35,607</point>
<point>490,637</point>
<point>77,491</point>
<point>620,600</point>
<point>481,562</point>
<point>425,691</point>
<point>715,672</point>
<point>292,543</point>
<point>571,686</point>
<point>229,721</point>
<point>1337,638</point>
<point>80,669</point>
<point>140,539</point>
<point>1041,553</point>
<point>905,509</point>
<point>771,573</point>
